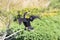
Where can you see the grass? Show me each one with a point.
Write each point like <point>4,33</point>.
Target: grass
<point>48,28</point>
<point>45,29</point>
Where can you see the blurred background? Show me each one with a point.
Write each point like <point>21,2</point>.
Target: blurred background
<point>48,28</point>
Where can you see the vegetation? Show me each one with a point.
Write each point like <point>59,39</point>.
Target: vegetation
<point>45,29</point>
<point>48,28</point>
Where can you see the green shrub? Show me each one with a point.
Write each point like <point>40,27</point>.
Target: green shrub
<point>48,28</point>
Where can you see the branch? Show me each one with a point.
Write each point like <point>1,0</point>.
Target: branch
<point>12,34</point>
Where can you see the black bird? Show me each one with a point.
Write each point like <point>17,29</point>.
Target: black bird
<point>26,21</point>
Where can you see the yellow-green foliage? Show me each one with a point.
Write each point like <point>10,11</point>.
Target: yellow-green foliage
<point>36,11</point>
<point>48,28</point>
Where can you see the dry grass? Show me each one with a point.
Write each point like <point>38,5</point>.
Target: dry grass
<point>18,4</point>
